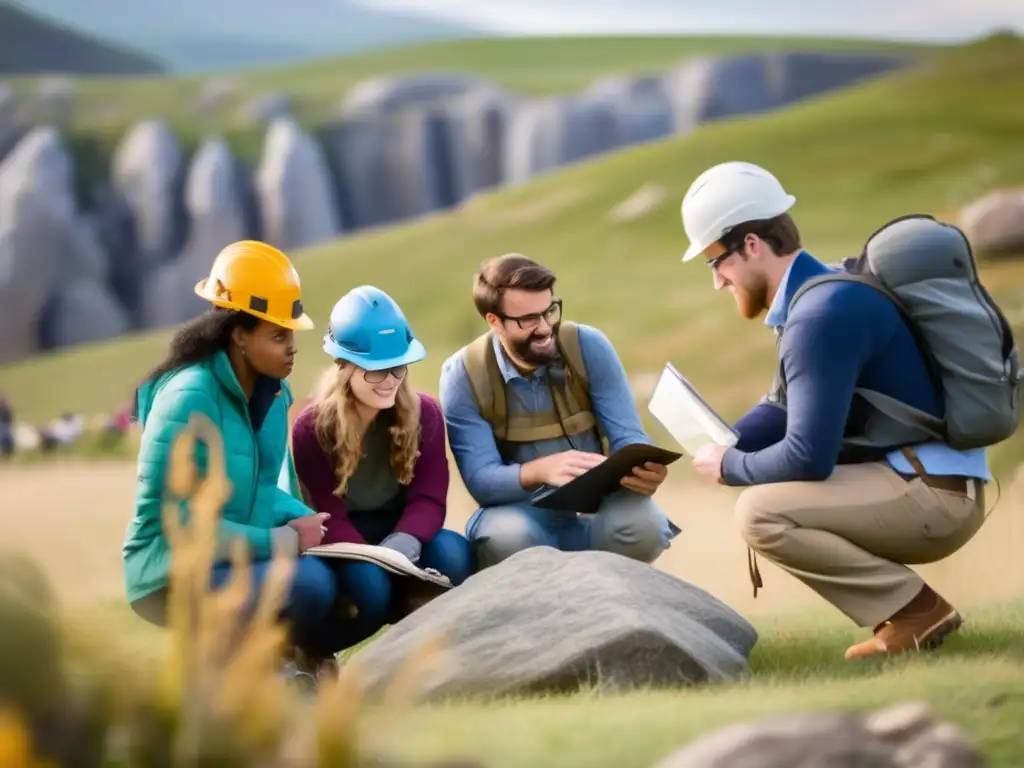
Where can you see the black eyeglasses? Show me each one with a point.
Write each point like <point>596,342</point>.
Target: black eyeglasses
<point>377,377</point>
<point>713,263</point>
<point>551,316</point>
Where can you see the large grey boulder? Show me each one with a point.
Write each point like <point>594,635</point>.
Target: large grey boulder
<point>549,621</point>
<point>479,122</point>
<point>46,246</point>
<point>80,312</point>
<point>215,202</point>
<point>707,88</point>
<point>295,188</point>
<point>902,736</point>
<point>390,93</point>
<point>9,129</point>
<point>392,165</point>
<point>548,133</point>
<point>148,170</point>
<point>641,107</point>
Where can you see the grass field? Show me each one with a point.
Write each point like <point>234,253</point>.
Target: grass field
<point>928,140</point>
<point>71,517</point>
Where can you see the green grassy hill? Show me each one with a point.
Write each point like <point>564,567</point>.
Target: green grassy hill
<point>33,43</point>
<point>108,108</point>
<point>927,140</point>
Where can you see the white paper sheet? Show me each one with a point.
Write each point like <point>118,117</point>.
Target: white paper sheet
<point>686,415</point>
<point>385,557</point>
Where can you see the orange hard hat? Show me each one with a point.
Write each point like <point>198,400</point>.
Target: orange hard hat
<point>256,278</point>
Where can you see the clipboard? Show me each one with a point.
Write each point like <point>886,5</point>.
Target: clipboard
<point>386,558</point>
<point>586,492</point>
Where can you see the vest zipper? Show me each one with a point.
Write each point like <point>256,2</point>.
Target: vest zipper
<point>255,459</point>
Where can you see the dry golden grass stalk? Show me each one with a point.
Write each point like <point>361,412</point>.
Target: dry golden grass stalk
<point>337,713</point>
<point>16,743</point>
<point>223,669</point>
<point>428,657</point>
<point>221,684</point>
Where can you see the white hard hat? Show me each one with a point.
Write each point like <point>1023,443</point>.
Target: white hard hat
<point>728,194</point>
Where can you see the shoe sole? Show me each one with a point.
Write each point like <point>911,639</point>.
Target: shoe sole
<point>938,633</point>
<point>931,639</point>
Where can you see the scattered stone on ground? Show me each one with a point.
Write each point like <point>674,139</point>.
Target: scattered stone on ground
<point>994,223</point>
<point>905,735</point>
<point>550,621</point>
<point>643,202</point>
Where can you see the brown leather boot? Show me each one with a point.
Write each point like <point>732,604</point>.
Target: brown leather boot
<point>921,625</point>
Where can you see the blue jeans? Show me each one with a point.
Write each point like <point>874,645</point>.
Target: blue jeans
<point>310,608</point>
<point>370,587</point>
<point>627,523</point>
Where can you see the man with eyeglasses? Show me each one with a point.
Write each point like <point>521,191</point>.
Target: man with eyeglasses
<point>840,492</point>
<point>527,405</point>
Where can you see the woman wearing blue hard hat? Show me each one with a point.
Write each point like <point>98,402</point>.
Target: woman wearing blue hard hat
<point>371,452</point>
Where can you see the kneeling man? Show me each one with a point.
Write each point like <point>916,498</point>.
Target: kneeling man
<point>527,405</point>
<point>840,491</point>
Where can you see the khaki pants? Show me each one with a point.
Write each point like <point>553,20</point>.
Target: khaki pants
<point>851,537</point>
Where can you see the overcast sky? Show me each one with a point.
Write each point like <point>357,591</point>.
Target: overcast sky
<point>909,19</point>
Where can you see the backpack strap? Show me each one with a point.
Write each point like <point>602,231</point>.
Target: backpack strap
<point>571,414</point>
<point>487,383</point>
<point>575,369</point>
<point>895,409</point>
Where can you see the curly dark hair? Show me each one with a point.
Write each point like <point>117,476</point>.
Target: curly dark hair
<point>201,337</point>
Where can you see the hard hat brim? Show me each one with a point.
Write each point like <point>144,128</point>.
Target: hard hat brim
<point>301,323</point>
<point>692,252</point>
<point>414,354</point>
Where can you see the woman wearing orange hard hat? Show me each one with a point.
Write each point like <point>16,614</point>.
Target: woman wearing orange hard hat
<point>230,365</point>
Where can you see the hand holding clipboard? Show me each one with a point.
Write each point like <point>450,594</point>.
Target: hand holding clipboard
<point>586,492</point>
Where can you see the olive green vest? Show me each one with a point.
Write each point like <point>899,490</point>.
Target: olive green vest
<point>572,414</point>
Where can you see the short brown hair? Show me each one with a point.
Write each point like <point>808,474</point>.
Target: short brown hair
<point>502,273</point>
<point>781,234</point>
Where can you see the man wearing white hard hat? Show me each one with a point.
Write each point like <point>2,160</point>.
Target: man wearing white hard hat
<point>843,514</point>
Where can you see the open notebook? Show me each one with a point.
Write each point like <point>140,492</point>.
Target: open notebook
<point>385,557</point>
<point>686,415</point>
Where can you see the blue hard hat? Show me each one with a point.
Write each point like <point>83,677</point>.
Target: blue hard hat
<point>369,329</point>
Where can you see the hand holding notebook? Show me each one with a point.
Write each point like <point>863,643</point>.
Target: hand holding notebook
<point>686,415</point>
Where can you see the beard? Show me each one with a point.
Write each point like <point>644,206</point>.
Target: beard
<point>751,300</point>
<point>524,348</point>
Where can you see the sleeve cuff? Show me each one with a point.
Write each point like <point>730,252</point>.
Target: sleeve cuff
<point>733,471</point>
<point>284,540</point>
<point>506,486</point>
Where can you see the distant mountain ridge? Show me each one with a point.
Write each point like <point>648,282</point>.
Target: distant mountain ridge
<point>194,36</point>
<point>31,44</point>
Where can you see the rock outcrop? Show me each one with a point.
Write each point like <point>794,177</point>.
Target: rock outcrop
<point>128,254</point>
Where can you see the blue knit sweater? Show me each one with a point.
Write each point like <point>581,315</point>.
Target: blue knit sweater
<point>840,335</point>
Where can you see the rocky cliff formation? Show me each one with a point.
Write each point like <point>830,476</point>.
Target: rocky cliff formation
<point>128,257</point>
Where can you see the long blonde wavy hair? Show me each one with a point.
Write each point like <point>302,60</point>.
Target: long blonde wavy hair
<point>340,432</point>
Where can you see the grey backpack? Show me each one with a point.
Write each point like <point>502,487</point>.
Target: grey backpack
<point>926,267</point>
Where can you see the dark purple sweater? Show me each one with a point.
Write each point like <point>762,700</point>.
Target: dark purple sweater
<point>426,496</point>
